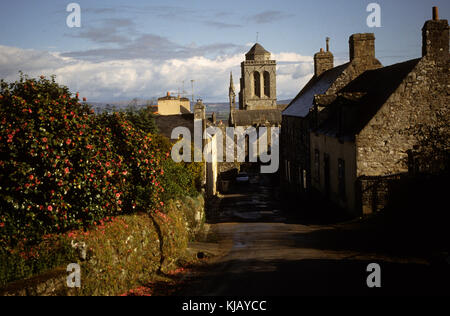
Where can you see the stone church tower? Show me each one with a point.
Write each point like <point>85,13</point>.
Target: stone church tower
<point>258,80</point>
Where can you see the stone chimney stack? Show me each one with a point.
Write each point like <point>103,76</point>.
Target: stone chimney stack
<point>435,37</point>
<point>199,110</point>
<point>323,60</point>
<point>362,46</point>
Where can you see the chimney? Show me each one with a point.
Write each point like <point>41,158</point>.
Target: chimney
<point>435,14</point>
<point>323,61</point>
<point>362,46</point>
<point>435,37</point>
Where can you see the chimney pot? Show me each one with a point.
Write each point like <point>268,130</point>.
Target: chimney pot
<point>168,93</point>
<point>321,50</point>
<point>435,38</point>
<point>435,13</point>
<point>328,44</point>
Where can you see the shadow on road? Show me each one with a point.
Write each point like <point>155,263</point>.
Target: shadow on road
<point>312,277</point>
<point>304,249</point>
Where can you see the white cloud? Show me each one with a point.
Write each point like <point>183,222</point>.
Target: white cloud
<point>146,78</point>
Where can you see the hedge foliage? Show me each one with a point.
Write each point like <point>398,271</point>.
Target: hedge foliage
<point>62,167</point>
<point>121,252</point>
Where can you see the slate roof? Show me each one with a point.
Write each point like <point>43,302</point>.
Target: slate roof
<point>252,117</point>
<point>376,86</point>
<point>303,102</point>
<point>257,49</point>
<point>166,123</point>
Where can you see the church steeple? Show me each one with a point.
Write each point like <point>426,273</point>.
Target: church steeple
<point>231,93</point>
<point>232,97</point>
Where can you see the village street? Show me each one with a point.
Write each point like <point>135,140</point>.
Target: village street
<point>261,250</point>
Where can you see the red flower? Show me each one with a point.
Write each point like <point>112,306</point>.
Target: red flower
<point>66,170</point>
<point>68,141</point>
<point>44,139</point>
<point>50,208</point>
<point>2,225</point>
<point>31,177</point>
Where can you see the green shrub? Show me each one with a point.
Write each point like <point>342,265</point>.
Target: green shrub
<point>142,119</point>
<point>62,167</point>
<point>26,261</point>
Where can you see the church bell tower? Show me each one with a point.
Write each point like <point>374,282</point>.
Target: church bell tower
<point>258,80</point>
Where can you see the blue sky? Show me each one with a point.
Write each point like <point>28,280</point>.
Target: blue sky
<point>127,49</point>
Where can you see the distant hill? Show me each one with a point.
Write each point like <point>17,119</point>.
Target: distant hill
<point>220,108</point>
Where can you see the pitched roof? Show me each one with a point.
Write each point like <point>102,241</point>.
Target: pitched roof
<point>375,87</point>
<point>303,102</point>
<point>252,117</point>
<point>166,123</point>
<point>257,49</point>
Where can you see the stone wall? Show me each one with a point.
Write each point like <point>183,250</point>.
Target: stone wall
<point>249,100</point>
<point>53,283</point>
<point>384,142</point>
<point>336,150</point>
<point>322,62</point>
<point>374,192</point>
<point>294,146</point>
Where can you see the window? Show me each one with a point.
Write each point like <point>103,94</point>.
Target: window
<point>300,178</point>
<point>341,179</point>
<point>286,169</point>
<point>289,171</point>
<point>266,84</point>
<point>304,179</point>
<point>317,166</point>
<point>326,173</point>
<point>257,84</point>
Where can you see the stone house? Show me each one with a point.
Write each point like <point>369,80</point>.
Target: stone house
<point>363,131</point>
<point>299,117</point>
<point>171,105</point>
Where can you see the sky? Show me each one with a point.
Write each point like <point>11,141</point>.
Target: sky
<point>127,49</point>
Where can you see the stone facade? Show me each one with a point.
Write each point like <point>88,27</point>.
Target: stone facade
<point>304,113</point>
<point>384,142</point>
<point>368,125</point>
<point>258,80</point>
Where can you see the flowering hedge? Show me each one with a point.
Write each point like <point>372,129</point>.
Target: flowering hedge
<point>62,167</point>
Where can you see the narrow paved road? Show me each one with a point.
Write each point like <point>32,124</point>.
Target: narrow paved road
<point>267,253</point>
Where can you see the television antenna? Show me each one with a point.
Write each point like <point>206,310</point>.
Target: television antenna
<point>192,83</point>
